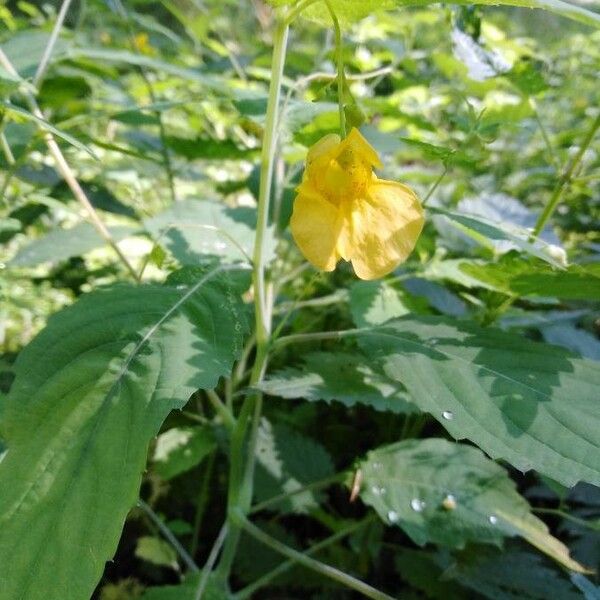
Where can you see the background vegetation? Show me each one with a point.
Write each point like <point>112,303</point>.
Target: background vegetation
<point>487,335</point>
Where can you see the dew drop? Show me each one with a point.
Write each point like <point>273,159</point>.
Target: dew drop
<point>377,466</point>
<point>449,502</point>
<point>181,287</point>
<point>417,505</point>
<point>448,415</point>
<point>493,519</point>
<point>220,245</point>
<point>392,516</point>
<point>433,341</point>
<point>378,490</point>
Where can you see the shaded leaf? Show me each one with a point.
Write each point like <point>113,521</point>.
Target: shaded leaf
<point>61,244</point>
<point>287,461</point>
<point>195,228</point>
<point>532,404</point>
<point>347,378</point>
<point>180,449</point>
<point>95,386</point>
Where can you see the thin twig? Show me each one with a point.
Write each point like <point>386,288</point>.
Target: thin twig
<point>310,563</point>
<point>45,60</point>
<point>169,536</point>
<point>210,563</point>
<point>248,591</point>
<point>68,175</point>
<point>565,179</point>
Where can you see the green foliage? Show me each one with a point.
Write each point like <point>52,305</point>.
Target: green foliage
<point>450,494</point>
<point>529,403</point>
<point>94,406</point>
<point>197,367</point>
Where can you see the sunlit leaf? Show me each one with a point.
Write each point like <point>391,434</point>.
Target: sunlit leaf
<point>450,494</point>
<point>532,404</point>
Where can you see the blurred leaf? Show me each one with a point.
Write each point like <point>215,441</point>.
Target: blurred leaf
<point>449,494</point>
<point>95,386</point>
<point>347,378</point>
<point>487,233</point>
<point>156,551</point>
<point>45,126</point>
<point>287,461</point>
<point>576,340</point>
<point>437,296</point>
<point>524,278</point>
<point>354,10</point>
<point>208,149</point>
<point>194,228</point>
<point>187,590</point>
<point>531,404</point>
<point>24,49</point>
<point>511,575</point>
<point>180,449</point>
<point>61,244</point>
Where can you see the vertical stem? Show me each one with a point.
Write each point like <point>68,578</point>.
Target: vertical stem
<point>243,440</point>
<point>565,179</point>
<point>42,67</point>
<point>341,77</point>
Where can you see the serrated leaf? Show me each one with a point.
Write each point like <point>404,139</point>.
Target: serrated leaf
<point>343,377</point>
<point>195,228</point>
<point>518,276</point>
<point>532,404</point>
<point>95,386</point>
<point>61,244</point>
<point>487,233</point>
<point>449,494</point>
<point>375,302</point>
<point>180,449</point>
<point>287,461</point>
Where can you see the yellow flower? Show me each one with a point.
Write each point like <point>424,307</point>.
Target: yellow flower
<point>343,210</point>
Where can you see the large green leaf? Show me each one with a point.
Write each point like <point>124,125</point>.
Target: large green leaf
<point>450,494</point>
<point>532,404</point>
<point>90,391</point>
<point>60,244</point>
<point>347,378</point>
<point>195,228</point>
<point>525,278</point>
<point>353,10</point>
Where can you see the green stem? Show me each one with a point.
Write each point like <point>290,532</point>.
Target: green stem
<point>169,536</point>
<point>202,503</point>
<point>340,67</point>
<point>565,179</point>
<point>559,513</point>
<point>248,591</point>
<point>210,562</point>
<point>310,563</point>
<point>313,337</point>
<point>435,185</point>
<point>544,133</point>
<point>243,443</point>
<point>221,409</point>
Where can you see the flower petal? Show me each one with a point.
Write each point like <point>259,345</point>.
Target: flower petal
<point>357,145</point>
<point>382,229</point>
<point>315,225</point>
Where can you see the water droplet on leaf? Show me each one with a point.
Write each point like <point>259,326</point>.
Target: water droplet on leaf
<point>493,519</point>
<point>417,505</point>
<point>392,516</point>
<point>448,415</point>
